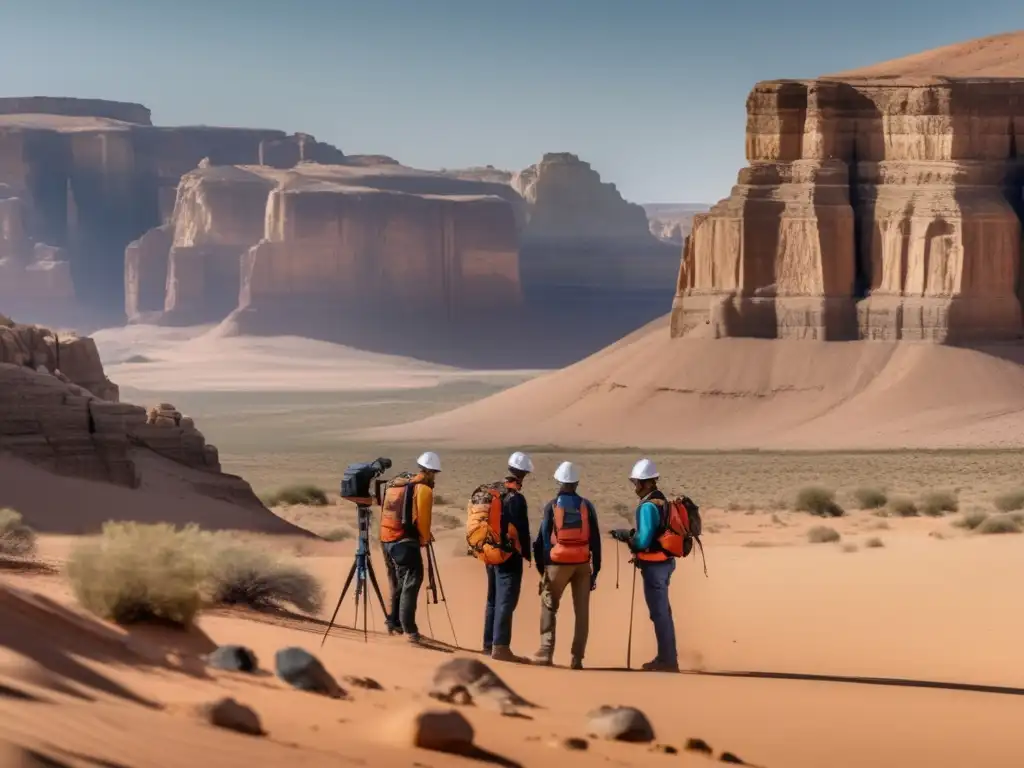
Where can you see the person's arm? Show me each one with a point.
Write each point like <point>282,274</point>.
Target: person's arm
<point>647,517</point>
<point>522,522</point>
<point>595,541</point>
<point>424,500</point>
<point>543,536</point>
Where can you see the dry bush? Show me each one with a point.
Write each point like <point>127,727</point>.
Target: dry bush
<point>440,500</point>
<point>339,534</point>
<point>880,525</point>
<point>874,543</point>
<point>999,524</point>
<point>237,574</point>
<point>938,503</point>
<point>850,547</point>
<point>16,538</point>
<point>305,494</point>
<point>135,573</point>
<point>822,534</point>
<point>870,498</point>
<point>446,522</point>
<point>817,501</point>
<point>971,519</point>
<point>903,507</point>
<point>1010,501</point>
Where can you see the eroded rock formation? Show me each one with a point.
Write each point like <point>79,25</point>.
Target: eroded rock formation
<point>871,208</point>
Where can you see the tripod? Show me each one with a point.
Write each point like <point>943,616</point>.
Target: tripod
<point>432,589</point>
<point>361,568</point>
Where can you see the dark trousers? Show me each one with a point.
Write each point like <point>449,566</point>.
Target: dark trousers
<point>504,583</point>
<point>656,577</point>
<point>405,577</point>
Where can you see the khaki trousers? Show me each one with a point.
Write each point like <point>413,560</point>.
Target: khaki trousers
<point>556,579</point>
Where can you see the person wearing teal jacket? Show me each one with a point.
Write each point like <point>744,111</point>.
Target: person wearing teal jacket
<point>655,564</point>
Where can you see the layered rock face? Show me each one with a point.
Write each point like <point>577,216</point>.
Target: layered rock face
<point>877,209</point>
<point>59,410</point>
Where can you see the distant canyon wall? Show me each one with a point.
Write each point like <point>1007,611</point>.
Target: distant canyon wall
<point>869,210</point>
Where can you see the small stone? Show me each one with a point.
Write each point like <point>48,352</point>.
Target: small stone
<point>698,745</point>
<point>367,683</point>
<point>620,724</point>
<point>572,743</point>
<point>665,749</point>
<point>233,658</point>
<point>302,670</point>
<point>228,713</point>
<point>435,729</point>
<point>729,757</point>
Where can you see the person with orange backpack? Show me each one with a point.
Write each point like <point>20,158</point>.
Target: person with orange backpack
<point>405,517</point>
<point>567,552</point>
<point>664,531</point>
<point>498,533</point>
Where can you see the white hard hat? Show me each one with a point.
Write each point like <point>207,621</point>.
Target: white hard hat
<point>643,470</point>
<point>430,460</point>
<point>520,461</point>
<point>567,473</point>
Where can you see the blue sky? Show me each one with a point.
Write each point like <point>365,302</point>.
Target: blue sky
<point>650,92</point>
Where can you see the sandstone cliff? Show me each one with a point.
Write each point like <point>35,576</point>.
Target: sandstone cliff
<point>874,207</point>
<point>60,411</point>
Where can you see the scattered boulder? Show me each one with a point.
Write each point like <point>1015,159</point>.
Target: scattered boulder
<point>729,757</point>
<point>664,749</point>
<point>457,678</point>
<point>233,658</point>
<point>301,669</point>
<point>367,683</point>
<point>698,745</point>
<point>620,724</point>
<point>572,743</point>
<point>435,729</point>
<point>228,713</point>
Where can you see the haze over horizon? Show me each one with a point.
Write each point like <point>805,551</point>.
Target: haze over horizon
<point>650,92</point>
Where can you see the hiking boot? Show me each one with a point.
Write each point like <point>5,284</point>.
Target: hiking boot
<point>660,666</point>
<point>487,650</point>
<point>504,653</point>
<point>577,663</point>
<point>416,638</point>
<point>542,659</point>
<point>394,629</point>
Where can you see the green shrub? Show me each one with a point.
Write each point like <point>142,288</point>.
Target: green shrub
<point>822,534</point>
<point>870,498</point>
<point>938,503</point>
<point>818,501</point>
<point>999,524</point>
<point>305,494</point>
<point>16,538</point>
<point>903,507</point>
<point>136,573</point>
<point>1010,501</point>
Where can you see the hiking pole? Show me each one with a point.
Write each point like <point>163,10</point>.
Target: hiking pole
<point>431,590</point>
<point>437,570</point>
<point>617,569</point>
<point>629,643</point>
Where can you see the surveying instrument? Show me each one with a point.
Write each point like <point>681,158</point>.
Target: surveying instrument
<point>355,487</point>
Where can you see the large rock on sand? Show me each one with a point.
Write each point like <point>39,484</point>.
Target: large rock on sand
<point>876,207</point>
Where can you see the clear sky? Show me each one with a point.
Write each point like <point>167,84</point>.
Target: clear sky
<point>650,92</point>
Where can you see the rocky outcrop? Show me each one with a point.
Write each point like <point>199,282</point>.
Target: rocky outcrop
<point>125,112</point>
<point>875,209</point>
<point>672,222</point>
<point>72,358</point>
<point>300,148</point>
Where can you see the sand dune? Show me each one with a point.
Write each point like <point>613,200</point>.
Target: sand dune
<point>202,358</point>
<point>655,392</point>
<point>994,56</point>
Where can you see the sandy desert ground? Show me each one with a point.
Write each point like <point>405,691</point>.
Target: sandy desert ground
<point>893,641</point>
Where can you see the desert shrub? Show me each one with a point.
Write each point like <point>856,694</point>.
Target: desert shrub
<point>446,522</point>
<point>903,507</point>
<point>999,524</point>
<point>16,538</point>
<point>305,494</point>
<point>1010,501</point>
<point>938,503</point>
<point>237,574</point>
<point>817,501</point>
<point>822,534</point>
<point>850,547</point>
<point>971,519</point>
<point>339,534</point>
<point>135,573</point>
<point>440,500</point>
<point>137,359</point>
<point>870,498</point>
<point>874,543</point>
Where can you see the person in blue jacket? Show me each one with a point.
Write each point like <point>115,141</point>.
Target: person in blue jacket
<point>655,563</point>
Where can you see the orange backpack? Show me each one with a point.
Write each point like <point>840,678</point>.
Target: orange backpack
<point>484,534</point>
<point>682,526</point>
<point>570,545</point>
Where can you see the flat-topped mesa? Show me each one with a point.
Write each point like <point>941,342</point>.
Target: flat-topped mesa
<point>126,112</point>
<point>890,201</point>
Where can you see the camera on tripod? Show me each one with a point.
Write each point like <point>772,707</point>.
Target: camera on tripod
<point>355,483</point>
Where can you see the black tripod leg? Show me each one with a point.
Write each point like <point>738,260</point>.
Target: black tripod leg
<point>334,616</point>
<point>366,620</point>
<point>440,584</point>
<point>376,586</point>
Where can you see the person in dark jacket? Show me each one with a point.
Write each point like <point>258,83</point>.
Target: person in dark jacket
<point>504,581</point>
<point>567,553</point>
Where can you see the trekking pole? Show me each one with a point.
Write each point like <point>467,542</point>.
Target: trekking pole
<point>629,643</point>
<point>437,570</point>
<point>617,569</point>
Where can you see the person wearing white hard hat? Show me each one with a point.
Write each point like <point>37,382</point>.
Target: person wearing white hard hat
<point>406,511</point>
<point>505,581</point>
<point>567,552</point>
<point>655,563</point>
